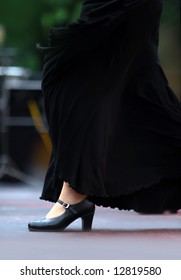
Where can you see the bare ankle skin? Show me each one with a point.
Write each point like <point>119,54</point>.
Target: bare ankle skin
<point>68,195</point>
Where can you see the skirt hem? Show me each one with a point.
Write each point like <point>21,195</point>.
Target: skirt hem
<point>130,201</point>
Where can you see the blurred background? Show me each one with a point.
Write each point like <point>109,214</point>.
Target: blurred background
<point>25,145</point>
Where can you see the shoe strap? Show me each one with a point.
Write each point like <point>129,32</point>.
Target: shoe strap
<point>66,206</point>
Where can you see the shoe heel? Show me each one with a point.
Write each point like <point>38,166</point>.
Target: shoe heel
<point>87,221</point>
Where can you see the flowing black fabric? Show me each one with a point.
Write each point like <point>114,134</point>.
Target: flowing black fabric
<point>114,122</point>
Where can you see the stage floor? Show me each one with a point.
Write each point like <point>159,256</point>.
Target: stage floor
<point>116,235</point>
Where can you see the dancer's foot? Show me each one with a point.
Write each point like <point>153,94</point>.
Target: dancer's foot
<point>84,210</point>
<point>55,211</point>
<point>68,195</point>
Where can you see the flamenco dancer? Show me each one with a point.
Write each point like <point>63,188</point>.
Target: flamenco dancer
<point>114,121</point>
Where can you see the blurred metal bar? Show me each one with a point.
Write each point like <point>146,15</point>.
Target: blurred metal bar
<point>22,85</point>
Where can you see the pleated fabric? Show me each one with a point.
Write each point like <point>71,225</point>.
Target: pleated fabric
<point>114,121</point>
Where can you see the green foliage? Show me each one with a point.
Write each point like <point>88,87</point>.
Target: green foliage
<point>58,12</point>
<point>27,23</point>
<point>171,12</point>
<point>22,25</point>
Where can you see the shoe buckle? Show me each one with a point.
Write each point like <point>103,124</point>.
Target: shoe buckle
<point>66,205</point>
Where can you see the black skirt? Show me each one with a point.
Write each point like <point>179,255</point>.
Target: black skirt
<point>114,122</point>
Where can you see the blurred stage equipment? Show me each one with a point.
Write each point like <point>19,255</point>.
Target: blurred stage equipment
<point>39,123</point>
<point>17,89</point>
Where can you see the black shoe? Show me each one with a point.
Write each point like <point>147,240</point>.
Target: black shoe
<point>84,210</point>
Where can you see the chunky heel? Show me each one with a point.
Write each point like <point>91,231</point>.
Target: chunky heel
<point>87,221</point>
